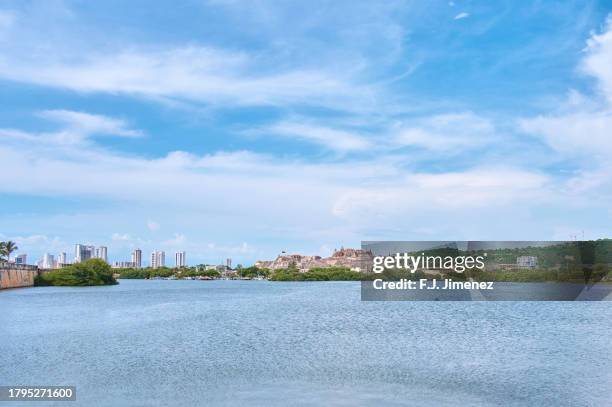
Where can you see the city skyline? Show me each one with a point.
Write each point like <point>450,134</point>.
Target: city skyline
<point>241,130</point>
<point>86,252</point>
<point>157,258</point>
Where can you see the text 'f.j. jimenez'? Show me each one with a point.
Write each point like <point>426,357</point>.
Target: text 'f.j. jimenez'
<point>434,284</point>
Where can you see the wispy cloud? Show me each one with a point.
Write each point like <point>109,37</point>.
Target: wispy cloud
<point>452,132</point>
<point>462,15</point>
<point>599,59</point>
<point>76,127</point>
<point>87,123</point>
<point>334,139</point>
<point>197,74</point>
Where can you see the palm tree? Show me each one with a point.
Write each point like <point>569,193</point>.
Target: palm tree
<point>9,247</point>
<point>2,250</point>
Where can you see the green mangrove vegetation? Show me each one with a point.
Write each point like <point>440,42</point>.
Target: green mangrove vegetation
<point>166,272</point>
<point>317,274</point>
<point>252,272</point>
<point>88,273</point>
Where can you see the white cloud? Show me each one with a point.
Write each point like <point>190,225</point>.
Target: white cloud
<point>579,132</point>
<point>87,123</point>
<point>17,135</point>
<point>54,45</point>
<point>334,139</point>
<point>454,132</point>
<point>582,127</point>
<point>575,134</point>
<point>598,59</point>
<point>277,189</point>
<point>475,189</point>
<point>77,127</point>
<point>39,242</point>
<point>461,16</point>
<point>197,74</point>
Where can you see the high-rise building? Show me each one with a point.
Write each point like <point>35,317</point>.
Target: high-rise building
<point>61,258</point>
<point>228,262</point>
<point>48,262</point>
<point>179,259</point>
<point>82,252</point>
<point>137,258</point>
<point>102,253</point>
<point>158,259</point>
<point>21,259</point>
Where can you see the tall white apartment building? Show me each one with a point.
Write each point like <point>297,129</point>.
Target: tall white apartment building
<point>102,253</point>
<point>137,258</point>
<point>158,259</point>
<point>48,262</point>
<point>179,259</point>
<point>83,252</point>
<point>61,258</point>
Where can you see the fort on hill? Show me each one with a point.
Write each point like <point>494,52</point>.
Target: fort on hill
<point>354,259</point>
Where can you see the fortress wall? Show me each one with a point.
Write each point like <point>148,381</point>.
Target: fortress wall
<point>16,275</point>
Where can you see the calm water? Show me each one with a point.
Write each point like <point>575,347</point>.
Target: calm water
<point>184,343</point>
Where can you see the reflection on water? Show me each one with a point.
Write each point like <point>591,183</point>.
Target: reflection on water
<point>189,343</point>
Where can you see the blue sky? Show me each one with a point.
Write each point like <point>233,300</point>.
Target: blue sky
<point>241,129</point>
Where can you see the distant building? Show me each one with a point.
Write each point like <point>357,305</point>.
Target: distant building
<point>179,259</point>
<point>228,263</point>
<point>21,259</point>
<point>123,265</point>
<point>61,258</point>
<point>158,259</point>
<point>83,252</point>
<point>527,262</point>
<point>47,262</point>
<point>137,258</point>
<point>102,253</point>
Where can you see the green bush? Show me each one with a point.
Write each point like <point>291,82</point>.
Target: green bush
<point>252,272</point>
<point>87,273</point>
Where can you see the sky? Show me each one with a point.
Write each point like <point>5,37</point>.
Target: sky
<point>244,129</point>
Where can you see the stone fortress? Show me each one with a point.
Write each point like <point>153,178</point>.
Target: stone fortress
<point>355,259</point>
<point>17,275</point>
